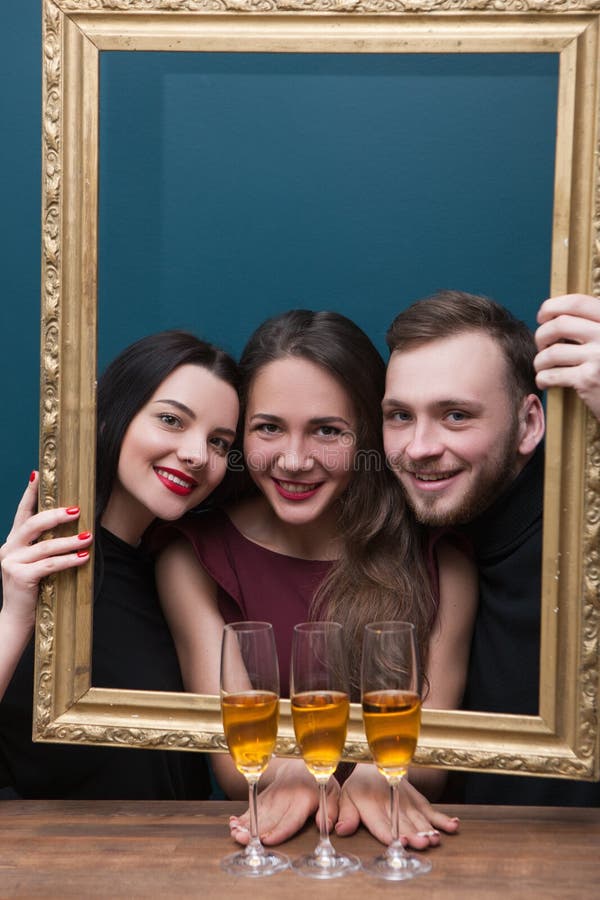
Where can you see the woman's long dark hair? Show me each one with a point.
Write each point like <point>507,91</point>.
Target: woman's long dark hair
<point>381,573</point>
<point>131,379</point>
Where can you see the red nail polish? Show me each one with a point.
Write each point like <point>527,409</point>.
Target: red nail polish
<point>83,553</point>
<point>84,535</point>
<point>72,510</point>
<point>32,476</point>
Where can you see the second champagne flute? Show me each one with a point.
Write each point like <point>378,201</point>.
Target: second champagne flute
<point>320,705</point>
<point>250,710</point>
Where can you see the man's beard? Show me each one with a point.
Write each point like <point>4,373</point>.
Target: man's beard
<point>480,495</point>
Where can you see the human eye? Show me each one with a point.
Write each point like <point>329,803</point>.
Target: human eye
<point>457,417</point>
<point>328,431</point>
<point>267,428</point>
<point>397,416</point>
<point>221,444</point>
<point>169,419</point>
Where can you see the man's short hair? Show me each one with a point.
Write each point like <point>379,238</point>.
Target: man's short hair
<point>449,313</point>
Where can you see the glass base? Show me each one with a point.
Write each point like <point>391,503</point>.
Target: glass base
<point>396,867</point>
<point>331,865</point>
<point>255,864</point>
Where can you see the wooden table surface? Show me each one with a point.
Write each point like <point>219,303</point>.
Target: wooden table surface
<point>170,849</point>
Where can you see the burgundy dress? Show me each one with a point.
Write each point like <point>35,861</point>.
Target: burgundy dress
<point>254,584</point>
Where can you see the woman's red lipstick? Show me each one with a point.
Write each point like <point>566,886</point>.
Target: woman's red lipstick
<point>174,480</point>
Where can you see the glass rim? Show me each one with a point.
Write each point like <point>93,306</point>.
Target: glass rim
<point>389,625</point>
<point>317,626</point>
<point>248,626</point>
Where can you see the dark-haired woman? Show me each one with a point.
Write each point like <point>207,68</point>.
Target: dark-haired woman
<point>323,533</point>
<point>167,414</point>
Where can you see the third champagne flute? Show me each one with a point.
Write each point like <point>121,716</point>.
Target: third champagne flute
<point>391,701</point>
<point>320,705</point>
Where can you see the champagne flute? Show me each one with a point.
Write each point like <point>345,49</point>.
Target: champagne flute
<point>391,702</point>
<point>320,705</point>
<point>250,710</point>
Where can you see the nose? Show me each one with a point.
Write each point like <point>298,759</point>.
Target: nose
<point>195,455</point>
<point>291,461</point>
<point>425,441</point>
<point>295,457</point>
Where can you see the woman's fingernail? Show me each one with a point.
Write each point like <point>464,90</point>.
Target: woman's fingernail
<point>239,828</point>
<point>32,476</point>
<point>85,535</point>
<point>431,833</point>
<point>83,553</point>
<point>72,510</point>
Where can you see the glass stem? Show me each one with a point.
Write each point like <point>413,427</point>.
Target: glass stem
<point>395,849</point>
<point>324,849</point>
<point>254,847</point>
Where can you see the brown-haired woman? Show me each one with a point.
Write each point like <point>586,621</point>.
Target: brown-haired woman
<point>321,532</point>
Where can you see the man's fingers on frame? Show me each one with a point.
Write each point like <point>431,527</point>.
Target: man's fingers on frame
<point>570,329</point>
<point>565,377</point>
<point>559,355</point>
<point>570,304</point>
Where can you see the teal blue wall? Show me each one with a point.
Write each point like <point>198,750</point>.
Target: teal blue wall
<point>20,98</point>
<point>237,185</point>
<point>233,187</point>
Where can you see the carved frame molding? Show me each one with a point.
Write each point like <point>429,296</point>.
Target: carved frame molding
<point>563,739</point>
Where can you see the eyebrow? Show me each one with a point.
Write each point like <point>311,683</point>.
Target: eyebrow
<point>448,403</point>
<point>189,412</point>
<point>181,406</point>
<point>319,420</point>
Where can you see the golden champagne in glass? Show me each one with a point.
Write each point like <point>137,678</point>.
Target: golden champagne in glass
<point>320,703</point>
<point>320,724</point>
<point>391,702</point>
<point>250,711</point>
<point>392,721</point>
<point>250,726</point>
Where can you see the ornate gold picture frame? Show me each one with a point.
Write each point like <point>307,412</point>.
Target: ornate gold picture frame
<point>563,739</point>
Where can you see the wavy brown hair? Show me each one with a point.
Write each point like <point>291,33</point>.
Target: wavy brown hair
<point>382,572</point>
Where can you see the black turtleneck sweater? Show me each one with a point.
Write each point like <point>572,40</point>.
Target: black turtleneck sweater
<point>503,672</point>
<point>507,545</point>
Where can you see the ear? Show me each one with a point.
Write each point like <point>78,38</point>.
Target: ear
<point>531,424</point>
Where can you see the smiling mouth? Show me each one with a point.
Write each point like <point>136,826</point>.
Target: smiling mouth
<point>433,476</point>
<point>175,481</point>
<point>296,490</point>
<point>429,481</point>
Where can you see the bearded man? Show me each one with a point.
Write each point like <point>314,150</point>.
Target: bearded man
<point>463,429</point>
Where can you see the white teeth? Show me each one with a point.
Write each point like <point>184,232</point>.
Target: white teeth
<point>431,477</point>
<point>170,477</point>
<point>292,488</point>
